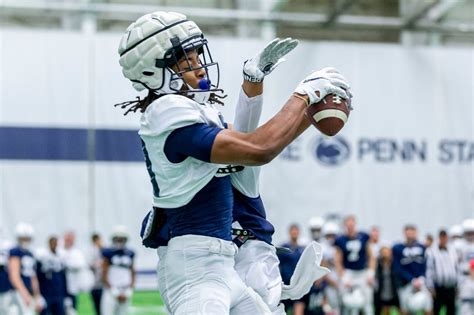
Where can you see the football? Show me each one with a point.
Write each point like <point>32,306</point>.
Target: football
<point>330,114</point>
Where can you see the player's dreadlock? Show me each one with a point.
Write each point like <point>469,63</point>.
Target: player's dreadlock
<point>142,104</point>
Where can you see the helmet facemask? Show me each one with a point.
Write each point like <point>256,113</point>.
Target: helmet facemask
<point>173,80</point>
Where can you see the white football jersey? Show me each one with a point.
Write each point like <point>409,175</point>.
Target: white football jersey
<point>177,183</point>
<point>467,254</point>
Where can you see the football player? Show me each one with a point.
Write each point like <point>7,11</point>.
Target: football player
<point>51,278</point>
<point>467,248</point>
<point>5,286</point>
<point>355,264</point>
<point>330,232</point>
<point>118,274</point>
<point>185,143</point>
<point>22,273</point>
<point>409,267</point>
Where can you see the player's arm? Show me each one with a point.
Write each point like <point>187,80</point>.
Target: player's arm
<point>134,274</point>
<point>267,141</point>
<point>372,264</point>
<point>14,275</point>
<point>105,272</point>
<point>36,293</point>
<point>338,262</point>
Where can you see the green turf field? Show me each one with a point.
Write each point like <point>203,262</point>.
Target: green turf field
<point>143,303</point>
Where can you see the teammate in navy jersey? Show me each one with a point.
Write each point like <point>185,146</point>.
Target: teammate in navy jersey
<point>118,274</point>
<point>22,273</point>
<point>355,263</point>
<point>185,144</point>
<point>288,262</point>
<point>409,267</point>
<point>5,286</point>
<point>51,278</point>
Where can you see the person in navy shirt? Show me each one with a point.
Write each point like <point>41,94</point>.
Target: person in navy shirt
<point>22,272</point>
<point>5,286</point>
<point>51,278</point>
<point>409,267</point>
<point>288,261</point>
<point>355,263</point>
<point>118,274</point>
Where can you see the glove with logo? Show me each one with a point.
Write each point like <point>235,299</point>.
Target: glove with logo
<point>323,82</point>
<point>256,68</point>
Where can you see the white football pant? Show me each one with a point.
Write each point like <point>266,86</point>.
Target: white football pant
<point>359,278</point>
<point>109,304</point>
<point>198,278</point>
<point>5,302</point>
<point>18,306</point>
<point>257,264</point>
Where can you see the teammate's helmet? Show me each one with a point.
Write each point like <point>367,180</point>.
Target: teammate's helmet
<point>120,232</point>
<point>353,299</point>
<point>24,230</point>
<point>455,231</point>
<point>418,301</point>
<point>316,223</point>
<point>468,226</point>
<point>330,228</point>
<point>154,43</point>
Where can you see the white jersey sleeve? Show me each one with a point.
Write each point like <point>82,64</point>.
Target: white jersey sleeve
<point>247,116</point>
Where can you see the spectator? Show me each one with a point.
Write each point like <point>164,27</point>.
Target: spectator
<point>466,292</point>
<point>118,274</point>
<point>22,273</point>
<point>374,241</point>
<point>409,265</point>
<point>441,274</point>
<point>75,262</point>
<point>355,265</point>
<point>428,241</point>
<point>51,278</point>
<point>96,267</point>
<point>288,263</point>
<point>386,297</point>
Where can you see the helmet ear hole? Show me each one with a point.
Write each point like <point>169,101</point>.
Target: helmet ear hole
<point>148,73</point>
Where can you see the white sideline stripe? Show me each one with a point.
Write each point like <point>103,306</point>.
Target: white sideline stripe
<point>330,113</point>
<point>142,310</point>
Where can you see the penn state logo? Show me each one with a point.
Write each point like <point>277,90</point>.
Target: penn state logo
<point>331,151</point>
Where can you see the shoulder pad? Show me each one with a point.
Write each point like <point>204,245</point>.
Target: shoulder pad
<point>170,112</point>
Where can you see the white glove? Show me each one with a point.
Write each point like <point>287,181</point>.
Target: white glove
<point>323,82</point>
<point>256,68</point>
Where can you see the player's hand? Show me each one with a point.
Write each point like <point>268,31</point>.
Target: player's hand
<point>417,283</point>
<point>27,299</point>
<point>323,82</point>
<point>122,298</point>
<point>256,68</point>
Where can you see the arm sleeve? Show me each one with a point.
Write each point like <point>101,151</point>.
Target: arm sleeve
<point>247,116</point>
<point>191,141</point>
<point>430,270</point>
<point>247,112</point>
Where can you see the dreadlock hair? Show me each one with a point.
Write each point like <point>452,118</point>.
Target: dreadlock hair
<point>139,104</point>
<point>142,104</point>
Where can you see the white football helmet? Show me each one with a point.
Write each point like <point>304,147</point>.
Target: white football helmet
<point>468,226</point>
<point>353,299</point>
<point>316,223</point>
<point>418,301</point>
<point>330,228</point>
<point>455,231</point>
<point>120,231</point>
<point>154,43</point>
<point>24,230</point>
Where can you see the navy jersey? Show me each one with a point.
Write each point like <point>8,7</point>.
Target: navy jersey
<point>27,265</point>
<point>250,214</point>
<point>288,261</point>
<point>209,213</point>
<point>51,276</point>
<point>120,261</point>
<point>4,281</point>
<point>354,251</point>
<point>409,262</point>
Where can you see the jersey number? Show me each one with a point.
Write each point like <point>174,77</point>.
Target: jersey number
<point>353,247</point>
<point>156,189</point>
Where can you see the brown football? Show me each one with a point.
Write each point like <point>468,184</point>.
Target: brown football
<point>330,114</point>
